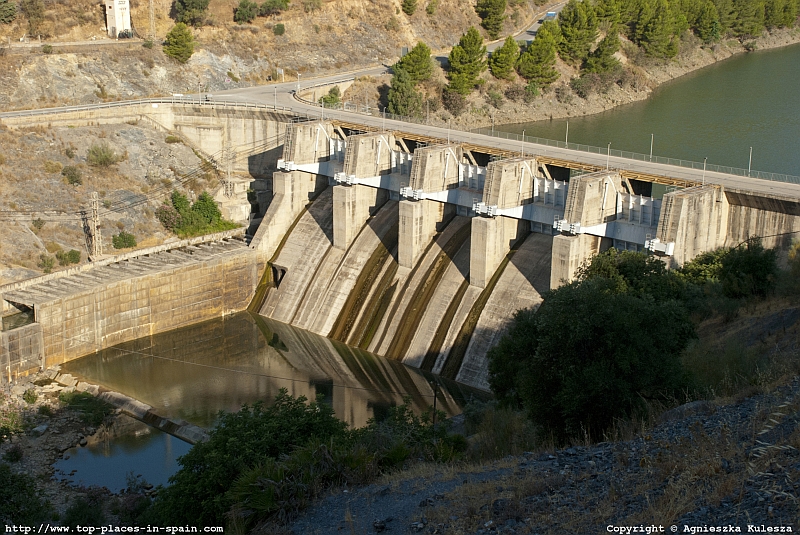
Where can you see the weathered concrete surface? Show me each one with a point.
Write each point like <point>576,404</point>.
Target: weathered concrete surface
<point>419,221</point>
<point>110,304</point>
<point>524,280</point>
<point>445,292</point>
<point>509,183</point>
<point>369,155</point>
<point>569,252</point>
<point>591,199</point>
<point>695,219</point>
<point>352,206</point>
<point>435,168</point>
<point>491,239</point>
<point>323,307</point>
<point>21,351</point>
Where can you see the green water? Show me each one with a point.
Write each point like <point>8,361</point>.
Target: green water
<point>718,112</point>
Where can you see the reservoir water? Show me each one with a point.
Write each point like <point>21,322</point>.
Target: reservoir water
<point>719,112</point>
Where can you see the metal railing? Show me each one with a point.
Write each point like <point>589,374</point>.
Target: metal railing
<point>633,156</point>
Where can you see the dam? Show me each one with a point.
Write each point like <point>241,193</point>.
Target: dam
<point>413,246</point>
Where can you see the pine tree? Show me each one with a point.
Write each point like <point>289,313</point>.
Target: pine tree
<point>578,29</point>
<point>467,62</point>
<point>706,23</point>
<point>179,43</point>
<point>641,12</point>
<point>191,11</point>
<point>492,14</point>
<point>403,98</point>
<point>504,59</point>
<point>409,6</point>
<point>608,14</point>
<point>749,21</point>
<point>602,59</point>
<point>417,63</point>
<point>8,11</point>
<point>245,12</point>
<point>552,29</point>
<point>659,37</point>
<point>537,63</point>
<point>727,16</point>
<point>780,13</point>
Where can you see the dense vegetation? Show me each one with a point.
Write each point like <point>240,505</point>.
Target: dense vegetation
<point>267,463</point>
<point>186,219</point>
<point>608,345</point>
<point>179,43</point>
<point>20,503</point>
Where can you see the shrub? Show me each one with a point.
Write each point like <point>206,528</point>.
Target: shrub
<point>179,43</point>
<point>430,9</point>
<point>123,240</point>
<point>494,98</point>
<point>392,25</point>
<point>73,175</point>
<point>333,98</point>
<point>173,139</point>
<point>52,167</point>
<point>66,258</point>
<point>46,263</point>
<point>168,216</point>
<point>30,396</point>
<point>19,499</point>
<point>454,102</point>
<point>69,152</point>
<point>101,155</point>
<point>148,44</point>
<point>13,454</point>
<point>311,5</point>
<point>191,11</point>
<point>273,7</point>
<point>279,29</point>
<point>8,11</point>
<point>409,6</point>
<point>85,510</point>
<point>47,49</point>
<point>46,410</point>
<point>245,12</point>
<point>38,223</point>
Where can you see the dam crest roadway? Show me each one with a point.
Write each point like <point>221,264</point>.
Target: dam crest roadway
<point>412,241</point>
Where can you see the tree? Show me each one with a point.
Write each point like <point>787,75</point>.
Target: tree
<point>578,30</point>
<point>504,59</point>
<point>123,240</point>
<point>417,63</point>
<point>586,357</point>
<point>660,34</point>
<point>749,21</point>
<point>19,499</point>
<point>333,97</point>
<point>191,11</point>
<point>179,43</point>
<point>245,12</point>
<point>467,61</point>
<point>8,11</point>
<point>273,7</point>
<point>34,12</point>
<point>602,59</point>
<point>537,63</point>
<point>403,98</point>
<point>207,208</point>
<point>608,14</point>
<point>704,21</point>
<point>409,7</point>
<point>492,14</point>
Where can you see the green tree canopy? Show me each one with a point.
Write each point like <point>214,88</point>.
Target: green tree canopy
<point>467,62</point>
<point>191,11</point>
<point>34,12</point>
<point>409,6</point>
<point>492,14</point>
<point>608,14</point>
<point>273,7</point>
<point>504,59</point>
<point>8,11</point>
<point>661,33</point>
<point>602,59</point>
<point>537,63</point>
<point>749,21</point>
<point>332,98</point>
<point>417,63</point>
<point>246,11</point>
<point>179,43</point>
<point>403,98</point>
<point>578,24</point>
<point>587,357</point>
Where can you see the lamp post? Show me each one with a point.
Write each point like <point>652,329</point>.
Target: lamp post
<point>608,155</point>
<point>704,170</point>
<point>522,145</point>
<point>275,98</point>
<point>448,130</point>
<point>298,84</point>
<point>750,162</point>
<point>566,137</point>
<point>199,96</point>
<point>651,147</point>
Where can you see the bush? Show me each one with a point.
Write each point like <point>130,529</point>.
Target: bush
<point>8,11</point>
<point>186,220</point>
<point>123,240</point>
<point>430,9</point>
<point>46,410</point>
<point>73,175</point>
<point>69,152</point>
<point>85,510</point>
<point>494,98</point>
<point>66,258</point>
<point>38,223</point>
<point>273,7</point>
<point>46,263</point>
<point>13,454</point>
<point>409,6</point>
<point>19,499</point>
<point>333,98</point>
<point>47,49</point>
<point>173,139</point>
<point>311,5</point>
<point>148,44</point>
<point>245,12</point>
<point>52,167</point>
<point>454,102</point>
<point>191,11</point>
<point>279,29</point>
<point>179,43</point>
<point>101,155</point>
<point>168,216</point>
<point>30,396</point>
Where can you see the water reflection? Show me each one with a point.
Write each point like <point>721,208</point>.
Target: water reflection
<point>194,372</point>
<point>127,446</point>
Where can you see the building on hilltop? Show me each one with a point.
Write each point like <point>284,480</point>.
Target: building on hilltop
<point>118,16</point>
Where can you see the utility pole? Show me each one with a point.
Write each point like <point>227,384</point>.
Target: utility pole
<point>152,21</point>
<point>96,249</point>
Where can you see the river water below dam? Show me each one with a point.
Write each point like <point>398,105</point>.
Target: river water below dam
<point>718,112</point>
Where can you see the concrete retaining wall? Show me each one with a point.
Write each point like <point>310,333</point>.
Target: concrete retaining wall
<point>21,351</point>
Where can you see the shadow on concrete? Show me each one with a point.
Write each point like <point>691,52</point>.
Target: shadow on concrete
<point>263,164</point>
<point>533,259</point>
<point>321,210</point>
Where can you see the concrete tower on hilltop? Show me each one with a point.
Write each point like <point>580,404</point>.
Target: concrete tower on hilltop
<point>118,16</point>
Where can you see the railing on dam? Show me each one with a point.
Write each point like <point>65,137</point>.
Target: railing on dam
<point>192,101</point>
